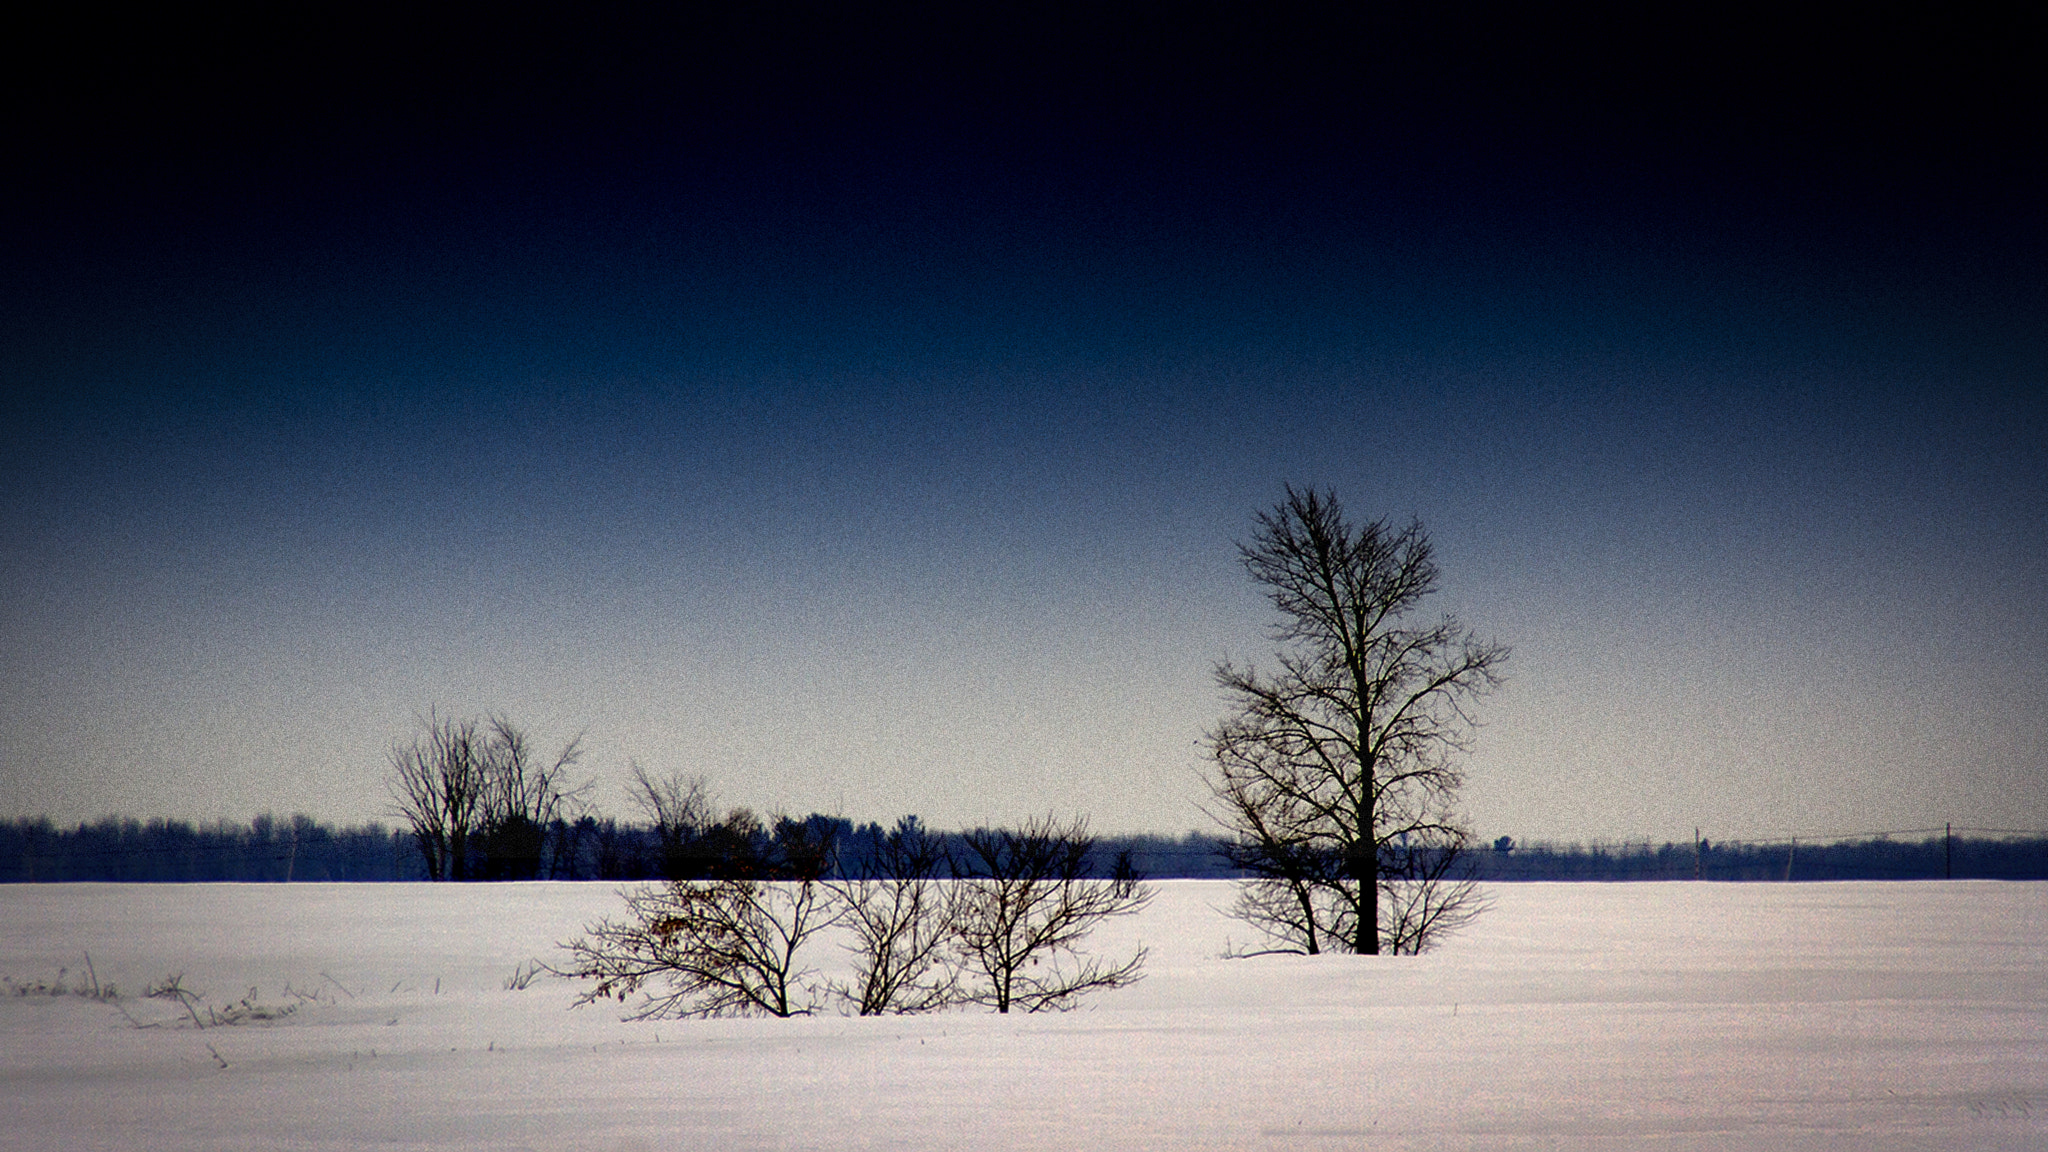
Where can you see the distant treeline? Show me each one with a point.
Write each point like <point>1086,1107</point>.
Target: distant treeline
<point>265,850</point>
<point>272,850</point>
<point>1919,854</point>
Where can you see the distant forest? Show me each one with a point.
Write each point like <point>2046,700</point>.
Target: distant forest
<point>1915,854</point>
<point>272,850</point>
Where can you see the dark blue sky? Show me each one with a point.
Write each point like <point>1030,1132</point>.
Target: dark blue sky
<point>860,410</point>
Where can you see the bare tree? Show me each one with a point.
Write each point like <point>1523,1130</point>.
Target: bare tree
<point>680,808</point>
<point>440,789</point>
<point>478,798</point>
<point>525,796</point>
<point>1289,873</point>
<point>1338,772</point>
<point>709,948</point>
<point>902,926</point>
<point>1023,902</point>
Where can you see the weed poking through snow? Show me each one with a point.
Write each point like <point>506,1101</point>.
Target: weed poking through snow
<point>88,988</point>
<point>246,1010</point>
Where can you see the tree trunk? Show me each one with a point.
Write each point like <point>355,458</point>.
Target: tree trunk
<point>1368,942</point>
<point>1363,864</point>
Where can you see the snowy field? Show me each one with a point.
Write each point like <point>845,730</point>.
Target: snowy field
<point>1625,1016</point>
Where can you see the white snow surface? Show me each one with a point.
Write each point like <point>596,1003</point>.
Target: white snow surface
<point>1598,1016</point>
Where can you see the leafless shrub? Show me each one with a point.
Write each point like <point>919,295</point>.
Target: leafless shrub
<point>707,948</point>
<point>901,918</point>
<point>1004,931</point>
<point>1022,904</point>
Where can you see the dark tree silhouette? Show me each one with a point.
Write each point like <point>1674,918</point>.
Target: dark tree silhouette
<point>525,797</point>
<point>680,808</point>
<point>1337,772</point>
<point>439,788</point>
<point>479,800</point>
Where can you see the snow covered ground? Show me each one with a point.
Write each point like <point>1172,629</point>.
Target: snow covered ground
<point>1668,1016</point>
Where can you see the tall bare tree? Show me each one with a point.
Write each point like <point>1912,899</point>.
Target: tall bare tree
<point>440,787</point>
<point>1338,771</point>
<point>525,796</point>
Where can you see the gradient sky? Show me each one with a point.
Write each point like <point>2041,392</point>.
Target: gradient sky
<point>862,412</point>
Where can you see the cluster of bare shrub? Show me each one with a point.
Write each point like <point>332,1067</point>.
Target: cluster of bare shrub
<point>999,923</point>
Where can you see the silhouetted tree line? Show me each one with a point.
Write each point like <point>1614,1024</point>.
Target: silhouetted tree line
<point>742,846</point>
<point>273,850</point>
<point>265,850</point>
<point>1990,854</point>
